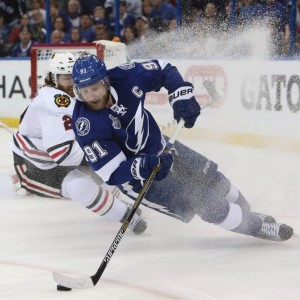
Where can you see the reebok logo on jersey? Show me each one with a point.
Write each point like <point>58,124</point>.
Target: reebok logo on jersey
<point>82,126</point>
<point>119,109</point>
<point>62,100</point>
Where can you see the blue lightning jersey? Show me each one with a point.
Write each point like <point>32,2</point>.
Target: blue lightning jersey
<point>111,138</point>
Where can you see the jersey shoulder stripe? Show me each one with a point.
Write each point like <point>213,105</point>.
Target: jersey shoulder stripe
<point>61,151</point>
<point>30,150</point>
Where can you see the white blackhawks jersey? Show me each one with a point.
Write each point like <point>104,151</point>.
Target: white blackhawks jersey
<point>45,136</point>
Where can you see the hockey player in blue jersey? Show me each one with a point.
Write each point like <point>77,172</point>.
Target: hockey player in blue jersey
<point>122,142</point>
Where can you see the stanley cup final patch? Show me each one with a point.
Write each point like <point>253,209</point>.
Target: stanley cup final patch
<point>82,126</point>
<point>62,100</point>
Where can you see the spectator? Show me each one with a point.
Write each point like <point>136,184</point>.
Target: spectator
<point>57,36</point>
<point>298,16</point>
<point>141,47</point>
<point>87,7</point>
<point>251,12</point>
<point>277,22</point>
<point>197,4</point>
<point>208,24</point>
<point>147,8</point>
<point>130,35</point>
<point>225,22</point>
<point>37,5</point>
<point>191,12</point>
<point>3,51</point>
<point>86,30</point>
<point>12,10</point>
<point>59,24</point>
<point>134,7</point>
<point>103,33</point>
<point>62,5</point>
<point>101,23</point>
<point>103,29</point>
<point>125,19</point>
<point>38,26</point>
<point>72,16</point>
<point>141,26</point>
<point>54,11</point>
<point>22,49</point>
<point>161,15</point>
<point>14,34</point>
<point>74,36</point>
<point>98,13</point>
<point>4,29</point>
<point>4,34</point>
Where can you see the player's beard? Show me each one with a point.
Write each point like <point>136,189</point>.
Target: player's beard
<point>101,103</point>
<point>68,90</point>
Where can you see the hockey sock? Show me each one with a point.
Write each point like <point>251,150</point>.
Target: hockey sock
<point>235,196</point>
<point>250,225</point>
<point>117,211</point>
<point>233,219</point>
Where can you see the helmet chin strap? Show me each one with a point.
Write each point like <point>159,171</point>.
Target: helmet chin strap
<point>111,100</point>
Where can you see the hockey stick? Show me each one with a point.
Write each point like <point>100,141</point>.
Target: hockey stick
<point>90,281</point>
<point>6,127</point>
<point>212,91</point>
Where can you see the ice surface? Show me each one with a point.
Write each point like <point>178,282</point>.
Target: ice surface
<point>172,260</point>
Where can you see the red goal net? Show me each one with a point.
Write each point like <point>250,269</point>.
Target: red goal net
<point>113,54</point>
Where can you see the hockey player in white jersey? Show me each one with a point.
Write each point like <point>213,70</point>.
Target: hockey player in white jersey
<point>47,158</point>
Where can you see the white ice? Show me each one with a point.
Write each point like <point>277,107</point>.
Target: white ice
<point>172,260</point>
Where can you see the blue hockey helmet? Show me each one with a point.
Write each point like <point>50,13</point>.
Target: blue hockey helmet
<point>88,70</point>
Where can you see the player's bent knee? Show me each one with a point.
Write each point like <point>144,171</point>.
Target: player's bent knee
<point>222,185</point>
<point>212,207</point>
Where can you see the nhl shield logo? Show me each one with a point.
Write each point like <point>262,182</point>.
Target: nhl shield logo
<point>62,100</point>
<point>82,126</point>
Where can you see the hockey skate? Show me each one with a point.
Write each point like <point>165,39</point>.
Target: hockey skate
<point>270,230</point>
<point>137,224</point>
<point>19,190</point>
<point>265,218</point>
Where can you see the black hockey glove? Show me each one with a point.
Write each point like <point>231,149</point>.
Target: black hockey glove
<point>143,165</point>
<point>184,104</point>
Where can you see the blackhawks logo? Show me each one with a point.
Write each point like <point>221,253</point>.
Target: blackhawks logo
<point>62,100</point>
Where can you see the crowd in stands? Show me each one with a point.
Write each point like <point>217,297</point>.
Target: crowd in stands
<point>23,22</point>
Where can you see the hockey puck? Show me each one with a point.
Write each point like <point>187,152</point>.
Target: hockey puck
<point>63,288</point>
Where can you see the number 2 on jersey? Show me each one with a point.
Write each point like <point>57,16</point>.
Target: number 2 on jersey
<point>94,151</point>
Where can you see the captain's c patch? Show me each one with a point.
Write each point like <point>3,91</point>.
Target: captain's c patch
<point>62,100</point>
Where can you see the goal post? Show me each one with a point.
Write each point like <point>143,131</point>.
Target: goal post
<point>113,54</point>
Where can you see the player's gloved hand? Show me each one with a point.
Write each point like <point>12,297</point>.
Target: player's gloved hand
<point>143,165</point>
<point>184,104</point>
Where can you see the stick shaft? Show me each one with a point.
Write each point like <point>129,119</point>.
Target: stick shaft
<point>145,188</point>
<point>88,282</point>
<point>6,127</point>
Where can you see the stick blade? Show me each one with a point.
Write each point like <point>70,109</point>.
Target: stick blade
<point>212,91</point>
<point>73,282</point>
